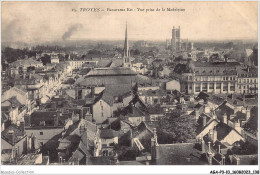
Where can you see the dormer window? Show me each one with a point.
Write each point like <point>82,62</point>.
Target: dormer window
<point>42,123</point>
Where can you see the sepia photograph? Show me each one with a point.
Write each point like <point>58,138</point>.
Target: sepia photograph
<point>129,83</point>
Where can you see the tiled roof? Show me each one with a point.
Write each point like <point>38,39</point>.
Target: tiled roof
<point>18,134</point>
<point>155,109</point>
<point>10,103</point>
<point>108,133</point>
<point>131,111</point>
<point>223,130</point>
<point>224,109</point>
<point>26,62</point>
<point>178,154</point>
<point>215,64</point>
<point>200,126</point>
<point>111,71</point>
<point>48,116</point>
<point>239,116</point>
<point>252,124</point>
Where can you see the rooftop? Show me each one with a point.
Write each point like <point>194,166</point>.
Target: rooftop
<point>179,154</point>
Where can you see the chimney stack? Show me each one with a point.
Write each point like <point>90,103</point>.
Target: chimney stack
<point>204,121</point>
<point>238,160</point>
<point>22,125</point>
<point>248,114</point>
<point>202,145</point>
<point>11,134</point>
<point>215,135</point>
<point>225,118</point>
<point>197,115</point>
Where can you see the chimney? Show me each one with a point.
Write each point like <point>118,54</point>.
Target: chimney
<point>235,109</point>
<point>92,92</point>
<point>202,145</point>
<point>56,120</point>
<point>11,134</point>
<point>237,126</point>
<point>209,147</point>
<point>197,115</point>
<point>131,138</point>
<point>215,135</point>
<point>244,99</point>
<point>154,145</point>
<point>219,150</point>
<point>238,160</point>
<point>225,118</point>
<point>22,125</point>
<point>248,114</point>
<point>223,160</point>
<point>204,121</point>
<point>214,115</point>
<point>232,116</point>
<point>76,93</point>
<point>211,135</point>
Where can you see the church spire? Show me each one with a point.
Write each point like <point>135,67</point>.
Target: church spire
<point>126,47</point>
<point>126,56</point>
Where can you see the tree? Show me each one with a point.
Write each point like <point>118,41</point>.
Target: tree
<point>181,127</point>
<point>46,59</point>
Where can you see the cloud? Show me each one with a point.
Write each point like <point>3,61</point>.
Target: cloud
<point>72,29</point>
<point>12,30</point>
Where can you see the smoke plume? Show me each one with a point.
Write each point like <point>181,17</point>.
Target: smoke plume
<point>72,29</point>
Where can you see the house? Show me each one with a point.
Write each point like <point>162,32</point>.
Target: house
<point>155,112</point>
<point>14,143</point>
<point>251,127</point>
<point>133,114</point>
<point>204,124</point>
<point>71,138</point>
<point>108,138</point>
<point>14,109</point>
<point>152,96</point>
<point>175,154</point>
<point>45,125</point>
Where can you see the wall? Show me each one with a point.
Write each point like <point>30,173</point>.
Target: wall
<point>136,120</point>
<point>48,133</point>
<point>21,145</point>
<point>232,137</point>
<point>206,130</point>
<point>101,115</point>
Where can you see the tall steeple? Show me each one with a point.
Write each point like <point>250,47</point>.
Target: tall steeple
<point>126,48</point>
<point>126,60</point>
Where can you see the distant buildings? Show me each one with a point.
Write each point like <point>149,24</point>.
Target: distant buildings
<point>176,39</point>
<point>177,45</point>
<point>218,77</point>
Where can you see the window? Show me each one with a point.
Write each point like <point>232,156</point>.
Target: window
<point>225,87</point>
<point>218,86</point>
<point>88,110</point>
<point>41,133</point>
<point>232,86</point>
<point>204,87</point>
<point>197,87</point>
<point>102,108</point>
<point>211,85</point>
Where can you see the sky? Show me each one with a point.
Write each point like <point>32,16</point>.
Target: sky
<point>56,21</point>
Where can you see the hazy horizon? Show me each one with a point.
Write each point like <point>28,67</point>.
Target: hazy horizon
<point>41,22</point>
